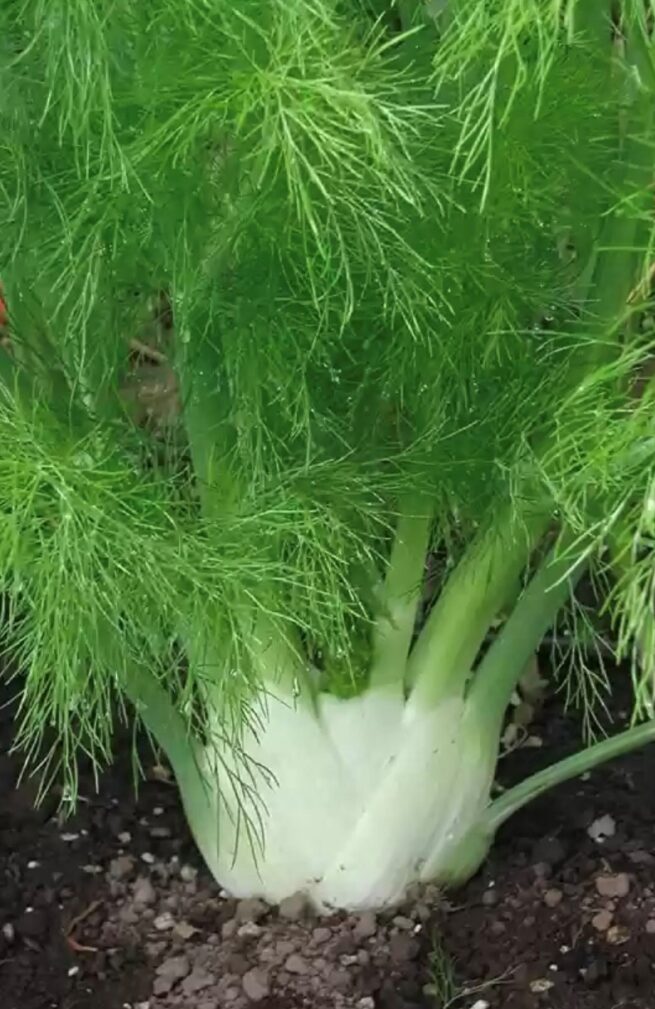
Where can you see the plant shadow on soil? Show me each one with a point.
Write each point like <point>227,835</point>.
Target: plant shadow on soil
<point>113,908</point>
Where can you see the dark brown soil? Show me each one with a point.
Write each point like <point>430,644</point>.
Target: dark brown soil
<point>113,910</point>
<point>556,910</point>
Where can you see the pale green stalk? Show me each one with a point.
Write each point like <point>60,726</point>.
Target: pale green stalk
<point>401,594</point>
<point>533,614</point>
<point>473,596</point>
<point>571,767</point>
<point>167,726</point>
<point>623,234</point>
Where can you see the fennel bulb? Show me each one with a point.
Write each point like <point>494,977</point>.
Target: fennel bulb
<point>360,799</point>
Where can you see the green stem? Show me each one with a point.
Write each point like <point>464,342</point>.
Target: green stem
<point>639,636</point>
<point>206,412</point>
<point>473,596</point>
<point>571,767</point>
<point>274,655</point>
<point>280,661</point>
<point>625,232</point>
<point>641,46</point>
<point>157,712</point>
<point>401,594</point>
<point>535,611</point>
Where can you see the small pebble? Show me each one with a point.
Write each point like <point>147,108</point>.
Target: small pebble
<point>155,949</point>
<point>296,964</point>
<point>198,980</point>
<point>617,935</point>
<point>169,973</point>
<point>321,935</point>
<point>553,897</point>
<point>256,984</point>
<point>602,921</point>
<point>160,833</point>
<point>158,811</point>
<point>125,837</point>
<point>148,858</point>
<point>144,891</point>
<point>339,979</point>
<point>121,867</point>
<point>617,885</point>
<point>602,828</point>
<point>164,922</point>
<point>284,948</point>
<point>72,971</point>
<point>9,932</point>
<point>184,931</point>
<point>541,985</point>
<point>650,926</point>
<point>251,909</point>
<point>175,967</point>
<point>188,874</point>
<point>293,908</point>
<point>69,837</point>
<point>33,865</point>
<point>366,926</point>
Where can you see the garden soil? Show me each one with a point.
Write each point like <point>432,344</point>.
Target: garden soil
<point>112,909</point>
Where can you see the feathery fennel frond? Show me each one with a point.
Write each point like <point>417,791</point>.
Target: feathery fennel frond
<point>304,182</point>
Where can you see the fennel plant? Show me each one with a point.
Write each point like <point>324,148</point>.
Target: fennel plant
<point>397,395</point>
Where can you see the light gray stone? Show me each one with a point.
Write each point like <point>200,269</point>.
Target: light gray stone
<point>366,926</point>
<point>198,980</point>
<point>144,892</point>
<point>256,984</point>
<point>293,908</point>
<point>251,909</point>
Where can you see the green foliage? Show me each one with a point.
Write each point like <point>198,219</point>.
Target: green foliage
<point>381,252</point>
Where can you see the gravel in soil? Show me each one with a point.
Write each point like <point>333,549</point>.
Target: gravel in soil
<point>112,909</point>
<point>562,914</point>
